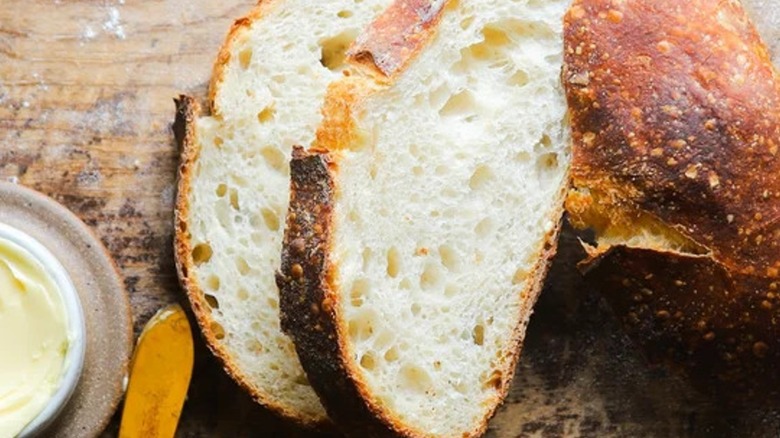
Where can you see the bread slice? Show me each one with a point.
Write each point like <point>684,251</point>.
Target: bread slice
<point>267,88</point>
<point>422,220</point>
<point>676,133</point>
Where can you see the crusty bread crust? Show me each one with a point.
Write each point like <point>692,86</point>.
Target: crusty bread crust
<point>676,115</point>
<point>309,293</point>
<point>396,36</point>
<point>184,127</point>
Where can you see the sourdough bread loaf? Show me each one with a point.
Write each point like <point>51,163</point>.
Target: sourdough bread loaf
<point>676,129</point>
<point>423,218</point>
<point>268,84</point>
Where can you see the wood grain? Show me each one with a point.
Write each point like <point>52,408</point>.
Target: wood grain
<point>86,89</point>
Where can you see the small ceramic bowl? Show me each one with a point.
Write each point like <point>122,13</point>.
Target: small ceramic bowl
<point>77,331</point>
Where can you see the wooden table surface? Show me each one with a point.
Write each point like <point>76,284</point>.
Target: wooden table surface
<point>86,89</point>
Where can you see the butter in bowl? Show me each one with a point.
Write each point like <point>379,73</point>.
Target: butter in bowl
<point>42,335</point>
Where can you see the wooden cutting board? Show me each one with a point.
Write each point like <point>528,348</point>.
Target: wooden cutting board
<point>86,91</point>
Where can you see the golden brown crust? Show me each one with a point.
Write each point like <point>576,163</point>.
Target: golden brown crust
<point>337,129</point>
<point>184,127</point>
<point>675,109</point>
<point>394,38</point>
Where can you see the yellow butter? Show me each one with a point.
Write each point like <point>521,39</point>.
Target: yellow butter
<point>33,337</point>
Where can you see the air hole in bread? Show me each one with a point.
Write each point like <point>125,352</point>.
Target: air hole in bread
<point>212,283</point>
<point>439,96</point>
<point>545,141</point>
<point>275,158</point>
<point>223,214</point>
<point>518,79</point>
<point>300,379</point>
<point>239,180</point>
<point>442,170</point>
<point>273,303</point>
<point>467,22</point>
<point>481,177</point>
<point>242,294</point>
<point>211,300</point>
<point>450,290</point>
<point>245,58</point>
<point>523,157</point>
<point>462,104</point>
<point>414,378</point>
<point>367,256</point>
<point>393,262</point>
<point>242,266</point>
<point>391,355</point>
<point>490,50</point>
<point>344,14</point>
<point>383,340</point>
<point>266,115</point>
<point>417,171</point>
<point>368,361</point>
<point>547,162</point>
<point>257,238</point>
<point>363,325</point>
<point>360,288</point>
<point>449,258</point>
<point>405,284</point>
<point>270,218</point>
<point>218,142</point>
<point>333,50</point>
<point>221,190</point>
<point>520,276</point>
<point>494,381</point>
<point>254,346</point>
<point>201,253</point>
<point>431,276</point>
<point>234,199</point>
<point>416,309</point>
<point>279,79</point>
<point>414,151</point>
<point>478,334</point>
<point>353,216</point>
<point>218,330</point>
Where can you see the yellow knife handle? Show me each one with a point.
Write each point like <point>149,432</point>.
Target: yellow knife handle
<point>160,373</point>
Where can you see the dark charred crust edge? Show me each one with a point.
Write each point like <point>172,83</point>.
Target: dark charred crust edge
<point>308,302</point>
<point>184,129</point>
